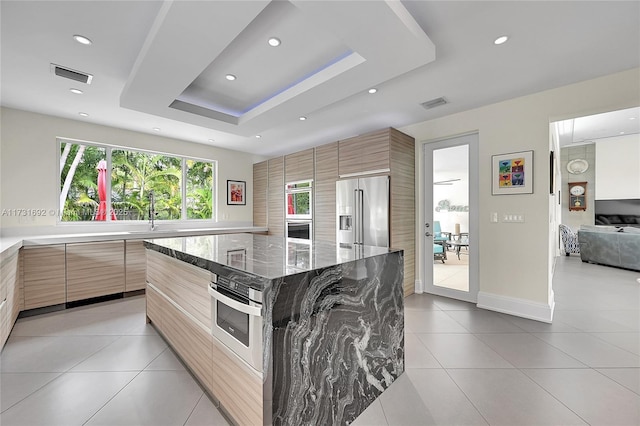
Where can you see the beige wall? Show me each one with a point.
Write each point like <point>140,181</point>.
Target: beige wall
<point>617,171</point>
<point>30,156</point>
<point>515,257</point>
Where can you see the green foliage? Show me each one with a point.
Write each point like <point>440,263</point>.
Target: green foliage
<point>133,175</point>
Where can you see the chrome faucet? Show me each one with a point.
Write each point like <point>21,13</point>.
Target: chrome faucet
<point>152,210</point>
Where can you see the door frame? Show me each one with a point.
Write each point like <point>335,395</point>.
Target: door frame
<point>426,215</point>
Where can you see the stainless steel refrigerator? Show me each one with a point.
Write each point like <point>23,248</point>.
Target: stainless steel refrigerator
<point>363,211</point>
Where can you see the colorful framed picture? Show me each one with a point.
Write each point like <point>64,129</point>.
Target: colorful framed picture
<point>512,173</point>
<point>236,192</point>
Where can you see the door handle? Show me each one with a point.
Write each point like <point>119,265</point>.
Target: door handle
<point>428,234</point>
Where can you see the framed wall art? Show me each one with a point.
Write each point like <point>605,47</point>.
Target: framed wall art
<point>236,192</point>
<point>512,173</point>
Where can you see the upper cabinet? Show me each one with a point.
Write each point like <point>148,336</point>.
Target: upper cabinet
<point>299,166</point>
<point>260,186</point>
<point>365,154</point>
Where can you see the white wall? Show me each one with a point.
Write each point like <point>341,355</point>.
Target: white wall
<point>515,257</point>
<point>29,168</point>
<point>617,171</point>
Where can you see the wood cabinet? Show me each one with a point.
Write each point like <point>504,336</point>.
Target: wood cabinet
<point>326,175</point>
<point>10,296</point>
<point>365,154</point>
<point>275,201</point>
<point>238,389</point>
<point>298,166</point>
<point>186,285</point>
<point>260,187</point>
<point>135,261</point>
<point>95,269</point>
<point>44,277</point>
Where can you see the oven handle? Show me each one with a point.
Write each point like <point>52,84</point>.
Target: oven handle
<point>249,310</point>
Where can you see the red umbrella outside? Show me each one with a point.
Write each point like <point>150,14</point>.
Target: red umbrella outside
<point>101,214</point>
<point>290,208</point>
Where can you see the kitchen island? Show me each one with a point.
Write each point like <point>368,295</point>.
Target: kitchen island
<point>332,323</point>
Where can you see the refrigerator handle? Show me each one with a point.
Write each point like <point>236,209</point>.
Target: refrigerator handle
<point>361,218</point>
<point>356,217</point>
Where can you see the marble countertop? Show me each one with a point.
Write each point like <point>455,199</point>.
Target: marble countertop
<point>8,245</point>
<point>268,257</point>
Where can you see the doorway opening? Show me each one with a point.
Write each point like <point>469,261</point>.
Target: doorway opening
<point>451,218</point>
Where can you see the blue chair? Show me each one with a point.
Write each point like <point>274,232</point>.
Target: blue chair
<point>439,252</point>
<point>438,235</point>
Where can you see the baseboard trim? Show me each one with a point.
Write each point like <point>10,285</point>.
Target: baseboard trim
<point>417,287</point>
<point>519,307</point>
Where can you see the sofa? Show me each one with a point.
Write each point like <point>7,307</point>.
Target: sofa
<point>611,246</point>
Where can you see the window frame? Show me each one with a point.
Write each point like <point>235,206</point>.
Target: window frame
<point>108,154</point>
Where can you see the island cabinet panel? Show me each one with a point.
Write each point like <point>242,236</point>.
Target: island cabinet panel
<point>94,269</point>
<point>364,154</point>
<point>135,265</point>
<point>260,186</point>
<point>275,201</point>
<point>154,305</point>
<point>185,284</point>
<point>299,166</point>
<point>190,341</point>
<point>44,278</point>
<point>10,303</point>
<point>238,389</point>
<point>326,175</point>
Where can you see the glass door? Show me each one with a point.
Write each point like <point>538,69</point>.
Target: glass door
<point>450,228</point>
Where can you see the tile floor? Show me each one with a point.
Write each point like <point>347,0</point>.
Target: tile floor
<point>103,365</point>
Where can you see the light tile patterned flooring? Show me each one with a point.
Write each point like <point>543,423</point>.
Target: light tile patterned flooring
<point>102,364</point>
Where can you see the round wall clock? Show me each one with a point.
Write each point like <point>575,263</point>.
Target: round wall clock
<point>577,166</point>
<point>577,190</point>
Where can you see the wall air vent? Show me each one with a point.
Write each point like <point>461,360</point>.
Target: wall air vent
<point>75,75</point>
<point>434,103</point>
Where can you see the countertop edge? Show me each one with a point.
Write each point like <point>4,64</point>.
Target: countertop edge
<point>9,245</point>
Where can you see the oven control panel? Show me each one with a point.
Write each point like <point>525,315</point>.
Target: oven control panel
<point>231,285</point>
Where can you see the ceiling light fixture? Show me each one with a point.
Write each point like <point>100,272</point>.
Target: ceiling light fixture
<point>632,118</point>
<point>501,40</point>
<point>302,118</point>
<point>211,140</point>
<point>230,77</point>
<point>622,133</point>
<point>156,129</point>
<point>82,39</point>
<point>84,114</point>
<point>258,136</point>
<point>76,91</point>
<point>274,42</point>
<point>373,90</point>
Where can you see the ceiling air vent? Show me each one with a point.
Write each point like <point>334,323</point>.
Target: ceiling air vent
<point>75,75</point>
<point>434,103</point>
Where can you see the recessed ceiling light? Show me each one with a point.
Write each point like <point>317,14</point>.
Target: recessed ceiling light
<point>501,40</point>
<point>622,133</point>
<point>373,90</point>
<point>156,129</point>
<point>211,140</point>
<point>632,118</point>
<point>258,136</point>
<point>303,118</point>
<point>230,77</point>
<point>82,39</point>
<point>273,41</point>
<point>76,91</point>
<point>84,114</point>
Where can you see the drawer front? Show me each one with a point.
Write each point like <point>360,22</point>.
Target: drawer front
<point>94,269</point>
<point>44,276</point>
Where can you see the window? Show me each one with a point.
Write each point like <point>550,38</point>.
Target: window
<point>87,171</point>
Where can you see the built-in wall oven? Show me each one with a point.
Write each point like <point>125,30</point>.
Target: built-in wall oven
<point>236,315</point>
<point>301,229</point>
